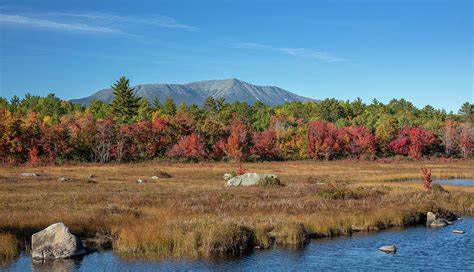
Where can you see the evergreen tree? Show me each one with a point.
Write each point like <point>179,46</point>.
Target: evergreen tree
<point>169,107</point>
<point>125,104</point>
<point>144,110</point>
<point>467,112</point>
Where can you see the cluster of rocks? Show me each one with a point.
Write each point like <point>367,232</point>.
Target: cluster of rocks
<point>434,222</point>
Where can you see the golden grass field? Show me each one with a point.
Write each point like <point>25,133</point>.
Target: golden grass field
<point>193,214</point>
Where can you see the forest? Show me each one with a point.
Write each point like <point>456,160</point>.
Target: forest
<point>47,130</point>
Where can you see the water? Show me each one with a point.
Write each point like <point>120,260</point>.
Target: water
<point>460,182</point>
<point>419,248</point>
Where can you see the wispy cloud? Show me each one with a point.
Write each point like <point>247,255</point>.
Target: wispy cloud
<point>160,21</point>
<point>43,23</point>
<point>306,53</point>
<point>90,22</point>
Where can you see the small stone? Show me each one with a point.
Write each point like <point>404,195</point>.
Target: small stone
<point>458,231</point>
<point>63,179</point>
<point>257,248</point>
<point>154,177</point>
<point>140,181</point>
<point>29,175</point>
<point>388,249</point>
<point>227,176</point>
<point>91,176</point>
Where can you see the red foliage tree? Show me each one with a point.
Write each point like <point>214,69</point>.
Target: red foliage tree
<point>144,140</point>
<point>56,142</point>
<point>427,178</point>
<point>190,147</point>
<point>238,143</point>
<point>362,142</point>
<point>33,155</point>
<point>466,141</point>
<point>412,141</point>
<point>265,145</point>
<point>322,140</point>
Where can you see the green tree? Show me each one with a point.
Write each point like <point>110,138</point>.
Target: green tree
<point>125,104</point>
<point>467,112</point>
<point>169,107</point>
<point>99,109</point>
<point>144,110</point>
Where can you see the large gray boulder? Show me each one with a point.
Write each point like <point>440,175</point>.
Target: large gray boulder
<point>251,179</point>
<point>55,242</point>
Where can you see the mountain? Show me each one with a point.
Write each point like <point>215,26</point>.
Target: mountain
<point>196,92</point>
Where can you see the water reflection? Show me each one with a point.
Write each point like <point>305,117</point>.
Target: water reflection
<point>56,265</point>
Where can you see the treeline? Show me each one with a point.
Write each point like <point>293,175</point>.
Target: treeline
<point>47,129</point>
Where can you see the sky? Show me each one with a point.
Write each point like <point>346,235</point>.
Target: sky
<point>420,50</point>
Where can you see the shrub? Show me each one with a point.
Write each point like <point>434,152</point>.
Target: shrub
<point>438,189</point>
<point>269,181</point>
<point>427,178</point>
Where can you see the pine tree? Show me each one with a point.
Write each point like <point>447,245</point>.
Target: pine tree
<point>125,104</point>
<point>169,107</point>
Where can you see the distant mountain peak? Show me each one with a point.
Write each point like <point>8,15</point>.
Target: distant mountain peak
<point>231,90</point>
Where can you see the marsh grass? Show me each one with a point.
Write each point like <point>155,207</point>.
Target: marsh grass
<point>8,248</point>
<point>192,214</point>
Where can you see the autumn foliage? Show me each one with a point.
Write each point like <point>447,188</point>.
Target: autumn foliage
<point>47,130</point>
<point>427,178</point>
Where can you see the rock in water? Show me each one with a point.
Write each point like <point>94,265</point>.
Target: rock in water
<point>55,242</point>
<point>439,223</point>
<point>249,179</point>
<point>430,217</point>
<point>388,249</point>
<point>458,231</point>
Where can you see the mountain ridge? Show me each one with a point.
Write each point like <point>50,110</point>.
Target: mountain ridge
<point>231,90</point>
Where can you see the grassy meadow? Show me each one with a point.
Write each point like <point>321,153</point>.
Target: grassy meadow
<point>192,214</point>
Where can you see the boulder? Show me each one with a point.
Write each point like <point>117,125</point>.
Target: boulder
<point>430,217</point>
<point>63,179</point>
<point>29,175</point>
<point>56,242</point>
<point>249,179</point>
<point>439,223</point>
<point>388,249</point>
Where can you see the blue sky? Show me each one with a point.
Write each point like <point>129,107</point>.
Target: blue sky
<point>417,50</point>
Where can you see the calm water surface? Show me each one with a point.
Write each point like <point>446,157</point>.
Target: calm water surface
<point>461,182</point>
<point>419,248</point>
